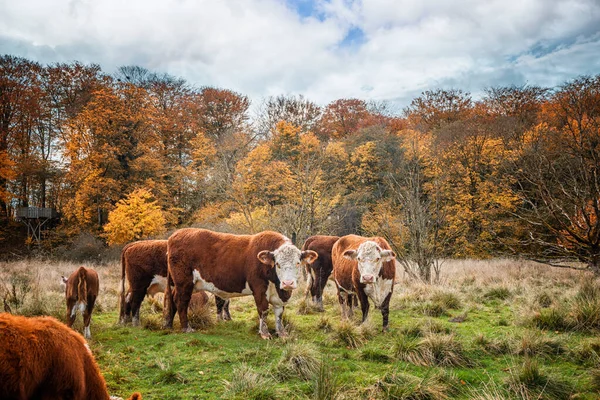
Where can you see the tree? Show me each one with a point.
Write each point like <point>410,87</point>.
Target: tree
<point>221,111</point>
<point>436,108</point>
<point>343,117</point>
<point>558,178</point>
<point>136,217</point>
<point>295,110</point>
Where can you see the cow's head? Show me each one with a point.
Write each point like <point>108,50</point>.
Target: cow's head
<point>370,258</point>
<point>63,283</point>
<point>286,260</point>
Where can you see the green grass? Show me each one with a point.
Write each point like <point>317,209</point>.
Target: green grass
<point>489,355</point>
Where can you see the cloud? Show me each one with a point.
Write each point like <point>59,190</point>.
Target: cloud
<point>323,49</point>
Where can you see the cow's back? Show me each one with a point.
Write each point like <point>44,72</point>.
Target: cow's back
<point>147,257</point>
<point>225,259</point>
<point>92,283</point>
<point>323,246</point>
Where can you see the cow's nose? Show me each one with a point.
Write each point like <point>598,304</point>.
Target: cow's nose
<point>368,278</point>
<point>288,285</point>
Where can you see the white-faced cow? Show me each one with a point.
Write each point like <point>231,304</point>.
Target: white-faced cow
<point>264,265</point>
<point>40,358</point>
<point>365,267</point>
<point>319,271</point>
<point>81,290</point>
<point>144,267</point>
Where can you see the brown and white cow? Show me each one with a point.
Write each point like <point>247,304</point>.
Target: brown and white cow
<point>264,265</point>
<point>319,271</point>
<point>81,290</point>
<point>144,266</point>
<point>41,358</point>
<point>365,267</point>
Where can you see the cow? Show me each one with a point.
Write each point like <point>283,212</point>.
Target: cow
<point>319,271</point>
<point>144,266</point>
<point>364,267</point>
<point>264,265</point>
<point>44,359</point>
<point>81,290</point>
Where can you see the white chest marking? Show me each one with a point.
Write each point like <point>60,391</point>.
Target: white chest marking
<point>201,284</point>
<point>379,291</point>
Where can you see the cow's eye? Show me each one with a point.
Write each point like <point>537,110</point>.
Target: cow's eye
<point>277,265</point>
<point>377,259</point>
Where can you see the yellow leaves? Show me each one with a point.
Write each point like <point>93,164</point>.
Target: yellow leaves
<point>203,150</point>
<point>6,172</point>
<point>136,217</point>
<point>363,165</point>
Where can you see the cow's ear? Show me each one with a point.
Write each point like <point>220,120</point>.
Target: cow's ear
<point>350,254</point>
<point>387,255</point>
<point>63,279</point>
<point>266,257</point>
<point>308,256</point>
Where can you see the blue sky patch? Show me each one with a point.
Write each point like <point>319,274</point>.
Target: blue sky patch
<point>354,38</point>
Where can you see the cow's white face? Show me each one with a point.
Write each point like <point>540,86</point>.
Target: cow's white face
<point>370,258</point>
<point>286,260</point>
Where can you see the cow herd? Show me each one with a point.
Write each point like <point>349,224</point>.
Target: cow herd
<point>42,358</point>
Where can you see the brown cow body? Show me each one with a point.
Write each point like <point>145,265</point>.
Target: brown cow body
<point>144,266</point>
<point>40,358</point>
<point>319,271</point>
<point>365,267</point>
<point>264,265</point>
<point>82,288</point>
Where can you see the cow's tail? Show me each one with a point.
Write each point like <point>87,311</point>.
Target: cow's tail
<point>122,298</point>
<point>82,288</point>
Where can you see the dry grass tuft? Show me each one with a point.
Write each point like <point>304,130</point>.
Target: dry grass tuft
<point>347,334</point>
<point>534,343</point>
<point>402,385</point>
<point>299,360</point>
<point>246,383</point>
<point>432,350</point>
<point>493,346</point>
<point>528,381</point>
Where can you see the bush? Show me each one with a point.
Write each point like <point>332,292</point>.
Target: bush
<point>347,334</point>
<point>85,247</point>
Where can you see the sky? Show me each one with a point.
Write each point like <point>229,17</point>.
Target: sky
<point>382,50</point>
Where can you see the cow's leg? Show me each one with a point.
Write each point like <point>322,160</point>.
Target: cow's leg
<point>137,296</point>
<point>226,314</point>
<point>182,297</point>
<point>350,305</point>
<point>262,305</point>
<point>309,281</point>
<point>320,287</point>
<point>71,312</point>
<point>385,311</point>
<point>280,329</point>
<point>364,304</point>
<point>219,302</point>
<point>87,316</point>
<point>169,304</point>
<point>125,316</point>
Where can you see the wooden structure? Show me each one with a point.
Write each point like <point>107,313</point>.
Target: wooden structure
<point>35,218</point>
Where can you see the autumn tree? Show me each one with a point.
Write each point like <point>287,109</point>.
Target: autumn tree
<point>436,108</point>
<point>138,216</point>
<point>221,111</point>
<point>343,117</point>
<point>295,110</point>
<point>559,178</point>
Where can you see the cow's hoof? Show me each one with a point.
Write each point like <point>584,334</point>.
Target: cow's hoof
<point>266,336</point>
<point>227,318</point>
<point>282,334</point>
<point>385,329</point>
<point>188,330</point>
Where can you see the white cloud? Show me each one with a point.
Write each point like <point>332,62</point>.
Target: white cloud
<point>263,47</point>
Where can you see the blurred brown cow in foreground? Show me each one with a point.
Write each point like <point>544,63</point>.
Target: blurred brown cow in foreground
<point>41,358</point>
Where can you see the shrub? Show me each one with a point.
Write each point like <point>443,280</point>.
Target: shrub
<point>85,247</point>
<point>298,360</point>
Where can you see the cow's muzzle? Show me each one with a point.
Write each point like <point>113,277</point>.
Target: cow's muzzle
<point>288,285</point>
<point>367,279</point>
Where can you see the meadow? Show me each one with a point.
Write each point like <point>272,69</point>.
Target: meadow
<point>495,329</point>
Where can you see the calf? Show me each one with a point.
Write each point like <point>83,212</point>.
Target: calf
<point>319,271</point>
<point>43,359</point>
<point>144,266</point>
<point>81,290</point>
<point>365,267</point>
<point>264,265</point>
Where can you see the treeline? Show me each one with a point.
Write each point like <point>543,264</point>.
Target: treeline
<point>516,171</point>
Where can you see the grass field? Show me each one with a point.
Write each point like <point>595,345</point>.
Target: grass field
<point>522,331</point>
